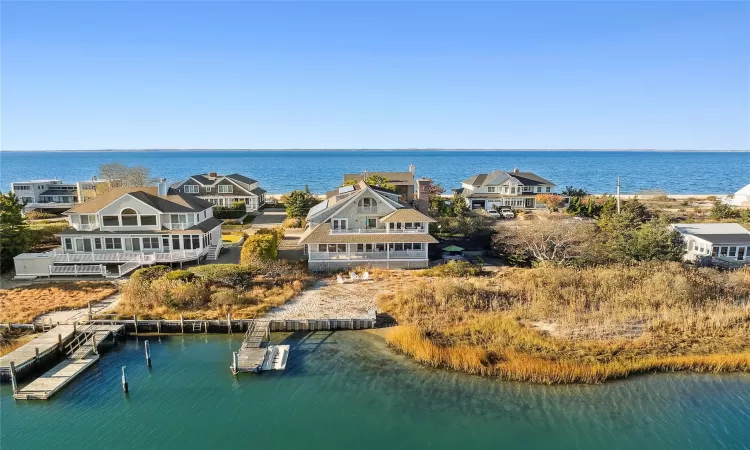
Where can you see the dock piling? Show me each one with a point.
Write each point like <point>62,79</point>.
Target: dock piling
<point>148,353</point>
<point>59,342</point>
<point>158,326</point>
<point>13,380</point>
<point>229,323</point>
<point>234,362</point>
<point>124,381</point>
<point>90,312</point>
<point>93,343</point>
<point>182,324</point>
<point>36,356</point>
<point>135,323</point>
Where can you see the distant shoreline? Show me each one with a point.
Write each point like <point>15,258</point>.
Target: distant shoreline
<point>383,150</point>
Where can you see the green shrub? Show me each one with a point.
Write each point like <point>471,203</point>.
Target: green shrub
<point>149,274</point>
<point>182,275</point>
<point>182,295</point>
<point>226,296</point>
<point>258,247</point>
<point>453,269</point>
<point>233,275</point>
<point>36,215</point>
<point>292,222</point>
<point>228,213</point>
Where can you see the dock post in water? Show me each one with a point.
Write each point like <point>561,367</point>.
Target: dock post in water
<point>124,381</point>
<point>93,343</point>
<point>182,324</point>
<point>90,313</point>
<point>234,363</point>
<point>36,356</point>
<point>148,353</point>
<point>158,326</point>
<point>229,323</point>
<point>59,342</point>
<point>75,327</point>
<point>135,323</point>
<point>13,380</point>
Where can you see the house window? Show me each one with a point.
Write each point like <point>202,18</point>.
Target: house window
<point>68,244</point>
<point>539,189</point>
<point>112,243</point>
<point>733,251</point>
<point>196,241</point>
<point>714,251</point>
<point>186,242</point>
<point>331,248</point>
<point>148,220</point>
<point>129,217</point>
<point>98,243</point>
<point>190,188</point>
<point>527,188</point>
<point>197,217</point>
<point>490,188</point>
<point>339,224</point>
<point>84,220</point>
<point>371,222</point>
<point>165,242</point>
<point>225,189</point>
<point>151,243</point>
<point>380,247</point>
<point>505,189</point>
<point>548,189</point>
<point>209,188</point>
<point>322,247</point>
<point>110,221</point>
<point>512,189</point>
<point>175,242</point>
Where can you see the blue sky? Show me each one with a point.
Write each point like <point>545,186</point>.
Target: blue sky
<point>94,75</point>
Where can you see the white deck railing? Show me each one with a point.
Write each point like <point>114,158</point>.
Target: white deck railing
<point>179,225</point>
<point>113,258</point>
<point>78,270</point>
<point>353,256</point>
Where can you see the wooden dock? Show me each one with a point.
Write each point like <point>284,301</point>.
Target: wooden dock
<point>254,347</point>
<point>25,356</point>
<point>81,353</point>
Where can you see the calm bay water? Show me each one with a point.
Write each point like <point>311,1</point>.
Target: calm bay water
<point>283,171</point>
<point>347,390</point>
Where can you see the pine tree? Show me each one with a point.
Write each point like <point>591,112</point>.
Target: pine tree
<point>14,233</point>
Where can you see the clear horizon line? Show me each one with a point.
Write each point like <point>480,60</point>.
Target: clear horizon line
<point>379,149</point>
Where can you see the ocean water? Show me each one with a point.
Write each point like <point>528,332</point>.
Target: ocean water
<point>283,171</point>
<point>348,390</point>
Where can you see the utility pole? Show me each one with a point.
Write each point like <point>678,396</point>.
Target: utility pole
<point>618,194</point>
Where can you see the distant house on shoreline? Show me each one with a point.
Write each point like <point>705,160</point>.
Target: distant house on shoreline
<point>404,182</point>
<point>52,195</point>
<point>364,225</point>
<point>500,188</point>
<point>224,190</point>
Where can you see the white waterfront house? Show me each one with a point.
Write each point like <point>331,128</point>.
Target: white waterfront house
<point>128,227</point>
<point>224,190</point>
<point>515,189</point>
<point>740,198</point>
<point>715,243</point>
<point>51,195</point>
<point>364,225</point>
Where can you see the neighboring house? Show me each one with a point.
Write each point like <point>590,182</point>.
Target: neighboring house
<point>740,198</point>
<point>363,225</point>
<point>52,194</point>
<point>402,181</point>
<point>45,194</point>
<point>130,227</point>
<point>715,243</point>
<point>499,188</point>
<point>224,190</point>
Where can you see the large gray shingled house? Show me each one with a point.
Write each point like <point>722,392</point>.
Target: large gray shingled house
<point>224,190</point>
<point>515,189</point>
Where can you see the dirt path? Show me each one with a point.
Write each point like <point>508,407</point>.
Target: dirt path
<point>100,307</point>
<point>329,300</point>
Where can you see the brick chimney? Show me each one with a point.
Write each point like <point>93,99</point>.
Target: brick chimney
<point>162,187</point>
<point>212,175</point>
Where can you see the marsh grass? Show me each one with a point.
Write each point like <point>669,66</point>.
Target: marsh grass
<point>23,304</point>
<point>565,325</point>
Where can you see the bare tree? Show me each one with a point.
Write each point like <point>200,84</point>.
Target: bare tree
<point>118,174</point>
<point>559,241</point>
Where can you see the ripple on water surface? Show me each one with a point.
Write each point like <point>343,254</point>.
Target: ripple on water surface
<point>346,389</point>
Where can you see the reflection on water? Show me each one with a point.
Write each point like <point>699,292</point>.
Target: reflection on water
<point>346,389</point>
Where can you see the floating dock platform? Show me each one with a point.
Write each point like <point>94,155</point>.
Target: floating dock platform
<point>255,354</point>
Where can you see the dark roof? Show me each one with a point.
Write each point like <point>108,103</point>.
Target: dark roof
<point>258,191</point>
<point>529,179</point>
<point>242,178</point>
<point>58,192</point>
<point>476,180</point>
<point>201,179</point>
<point>718,239</point>
<point>396,178</point>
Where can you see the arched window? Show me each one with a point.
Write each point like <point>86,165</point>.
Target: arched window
<point>368,204</point>
<point>129,217</point>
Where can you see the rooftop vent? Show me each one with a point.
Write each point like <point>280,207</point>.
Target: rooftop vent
<point>515,170</point>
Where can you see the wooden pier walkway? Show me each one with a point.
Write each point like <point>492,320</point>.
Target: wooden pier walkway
<point>254,347</point>
<point>81,353</point>
<point>39,347</point>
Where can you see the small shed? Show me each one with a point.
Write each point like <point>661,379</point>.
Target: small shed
<point>29,265</point>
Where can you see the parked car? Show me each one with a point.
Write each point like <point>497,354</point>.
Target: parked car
<point>503,213</point>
